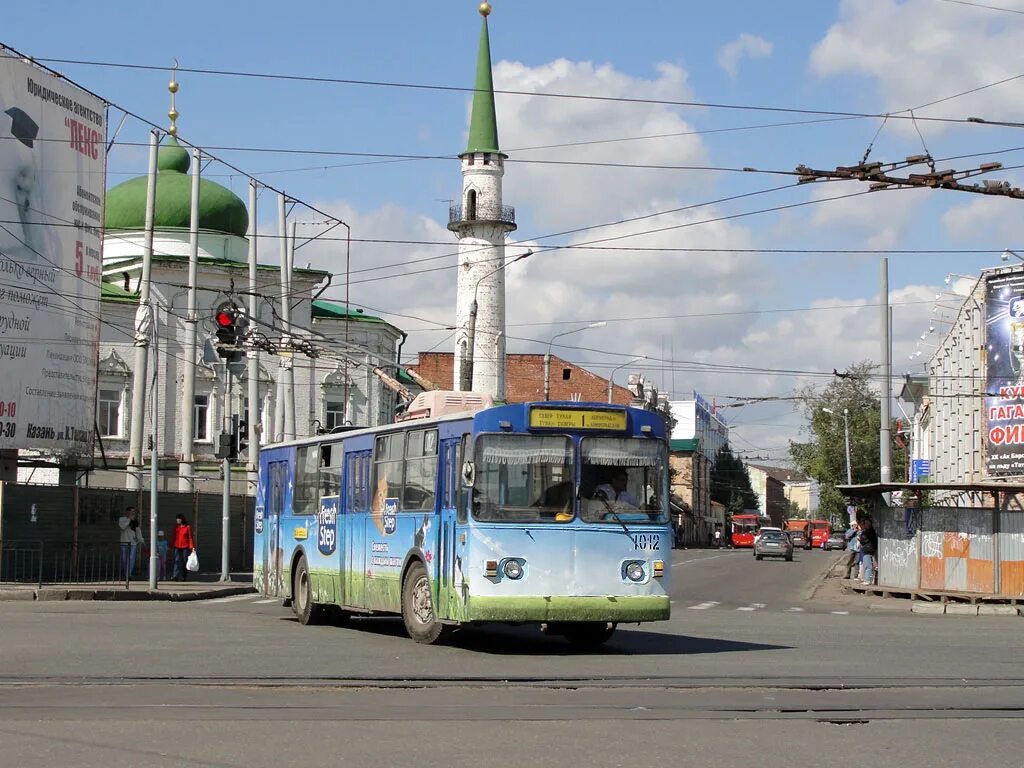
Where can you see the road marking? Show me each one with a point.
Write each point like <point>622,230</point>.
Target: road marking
<point>752,607</point>
<point>697,560</point>
<point>841,613</point>
<point>222,600</point>
<point>264,602</point>
<point>703,606</point>
<point>796,610</point>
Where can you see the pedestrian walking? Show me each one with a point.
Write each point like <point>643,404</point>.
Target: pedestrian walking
<point>852,547</point>
<point>183,543</point>
<point>161,554</point>
<point>129,526</point>
<point>869,548</point>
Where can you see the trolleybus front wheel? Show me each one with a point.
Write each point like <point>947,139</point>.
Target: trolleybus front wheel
<point>418,607</point>
<point>305,609</point>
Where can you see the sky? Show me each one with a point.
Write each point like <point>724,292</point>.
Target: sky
<point>731,324</point>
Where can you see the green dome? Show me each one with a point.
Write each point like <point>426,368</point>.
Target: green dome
<point>220,209</point>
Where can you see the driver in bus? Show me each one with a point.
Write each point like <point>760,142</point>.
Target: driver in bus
<point>615,492</point>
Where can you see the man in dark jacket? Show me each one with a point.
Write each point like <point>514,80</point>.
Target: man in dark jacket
<point>869,549</point>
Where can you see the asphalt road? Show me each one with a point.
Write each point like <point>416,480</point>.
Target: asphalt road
<point>736,677</point>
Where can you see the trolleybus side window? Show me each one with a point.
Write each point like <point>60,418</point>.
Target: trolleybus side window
<point>330,469</point>
<point>461,452</point>
<point>306,499</point>
<point>388,463</point>
<point>522,478</point>
<point>358,482</point>
<point>420,469</point>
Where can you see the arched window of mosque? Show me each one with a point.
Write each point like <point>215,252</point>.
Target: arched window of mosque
<point>471,205</point>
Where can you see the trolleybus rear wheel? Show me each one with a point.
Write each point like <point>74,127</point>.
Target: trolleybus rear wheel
<point>302,595</point>
<point>585,635</point>
<point>418,607</point>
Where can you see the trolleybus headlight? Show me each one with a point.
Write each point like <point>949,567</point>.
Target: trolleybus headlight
<point>513,569</point>
<point>635,572</point>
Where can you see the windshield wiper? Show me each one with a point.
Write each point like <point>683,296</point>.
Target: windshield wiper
<point>615,515</point>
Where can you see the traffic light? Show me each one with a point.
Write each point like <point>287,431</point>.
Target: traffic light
<point>230,324</point>
<point>226,446</point>
<point>241,435</point>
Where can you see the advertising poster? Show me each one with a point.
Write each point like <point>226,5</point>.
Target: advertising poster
<point>1004,398</point>
<point>52,147</point>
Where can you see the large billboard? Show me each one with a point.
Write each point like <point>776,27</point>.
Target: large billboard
<point>52,159</point>
<point>1004,398</point>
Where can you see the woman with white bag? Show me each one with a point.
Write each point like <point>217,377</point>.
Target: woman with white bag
<point>184,549</point>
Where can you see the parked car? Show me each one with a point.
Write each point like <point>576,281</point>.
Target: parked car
<point>773,543</point>
<point>837,540</point>
<point>799,539</point>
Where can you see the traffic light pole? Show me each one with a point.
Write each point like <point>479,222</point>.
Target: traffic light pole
<point>225,520</point>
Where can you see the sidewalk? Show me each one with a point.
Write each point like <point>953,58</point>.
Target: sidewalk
<point>202,588</point>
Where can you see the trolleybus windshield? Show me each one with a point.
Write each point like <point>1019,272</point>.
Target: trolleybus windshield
<point>524,478</point>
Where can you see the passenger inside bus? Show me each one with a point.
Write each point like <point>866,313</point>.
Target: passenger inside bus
<point>556,502</point>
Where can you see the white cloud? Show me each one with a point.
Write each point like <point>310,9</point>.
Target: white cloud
<point>745,46</point>
<point>876,220</point>
<point>562,196</point>
<point>918,51</point>
<point>984,217</point>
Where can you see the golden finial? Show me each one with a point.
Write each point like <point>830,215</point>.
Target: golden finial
<point>172,112</point>
<point>485,9</point>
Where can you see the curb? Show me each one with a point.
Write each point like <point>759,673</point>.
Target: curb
<point>122,595</point>
<point>963,609</point>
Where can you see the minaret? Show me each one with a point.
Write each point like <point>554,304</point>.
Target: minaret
<point>481,223</point>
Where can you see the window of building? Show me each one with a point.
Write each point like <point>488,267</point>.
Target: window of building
<point>334,414</point>
<point>201,417</point>
<point>109,412</point>
<point>566,374</point>
<point>471,205</point>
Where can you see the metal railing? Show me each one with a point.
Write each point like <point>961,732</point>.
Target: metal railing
<point>21,562</point>
<point>459,214</point>
<point>36,562</point>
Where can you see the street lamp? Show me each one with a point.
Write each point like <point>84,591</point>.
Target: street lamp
<point>611,378</point>
<point>846,430</point>
<point>1007,253</point>
<point>547,355</point>
<point>466,373</point>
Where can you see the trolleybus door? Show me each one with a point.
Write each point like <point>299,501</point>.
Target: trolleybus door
<point>273,554</point>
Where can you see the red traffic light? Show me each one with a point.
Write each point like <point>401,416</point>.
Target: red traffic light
<point>225,318</point>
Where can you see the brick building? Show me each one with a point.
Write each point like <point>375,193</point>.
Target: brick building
<point>524,379</point>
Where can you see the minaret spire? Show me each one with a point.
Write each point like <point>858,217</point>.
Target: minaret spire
<point>172,113</point>
<point>483,124</point>
<point>482,222</point>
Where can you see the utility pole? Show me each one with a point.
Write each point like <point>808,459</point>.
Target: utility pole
<point>154,454</point>
<point>134,478</point>
<point>254,415</point>
<point>186,469</point>
<point>287,401</point>
<point>289,375</point>
<point>885,437</point>
<point>225,520</point>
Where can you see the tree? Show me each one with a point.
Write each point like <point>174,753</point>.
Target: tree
<point>823,456</point>
<point>730,483</point>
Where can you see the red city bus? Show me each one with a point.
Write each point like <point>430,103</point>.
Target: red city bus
<point>745,528</point>
<point>820,531</point>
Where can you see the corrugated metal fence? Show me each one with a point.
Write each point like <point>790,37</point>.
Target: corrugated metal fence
<point>59,534</point>
<point>973,550</point>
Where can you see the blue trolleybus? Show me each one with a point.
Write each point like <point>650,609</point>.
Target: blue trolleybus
<point>551,513</point>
